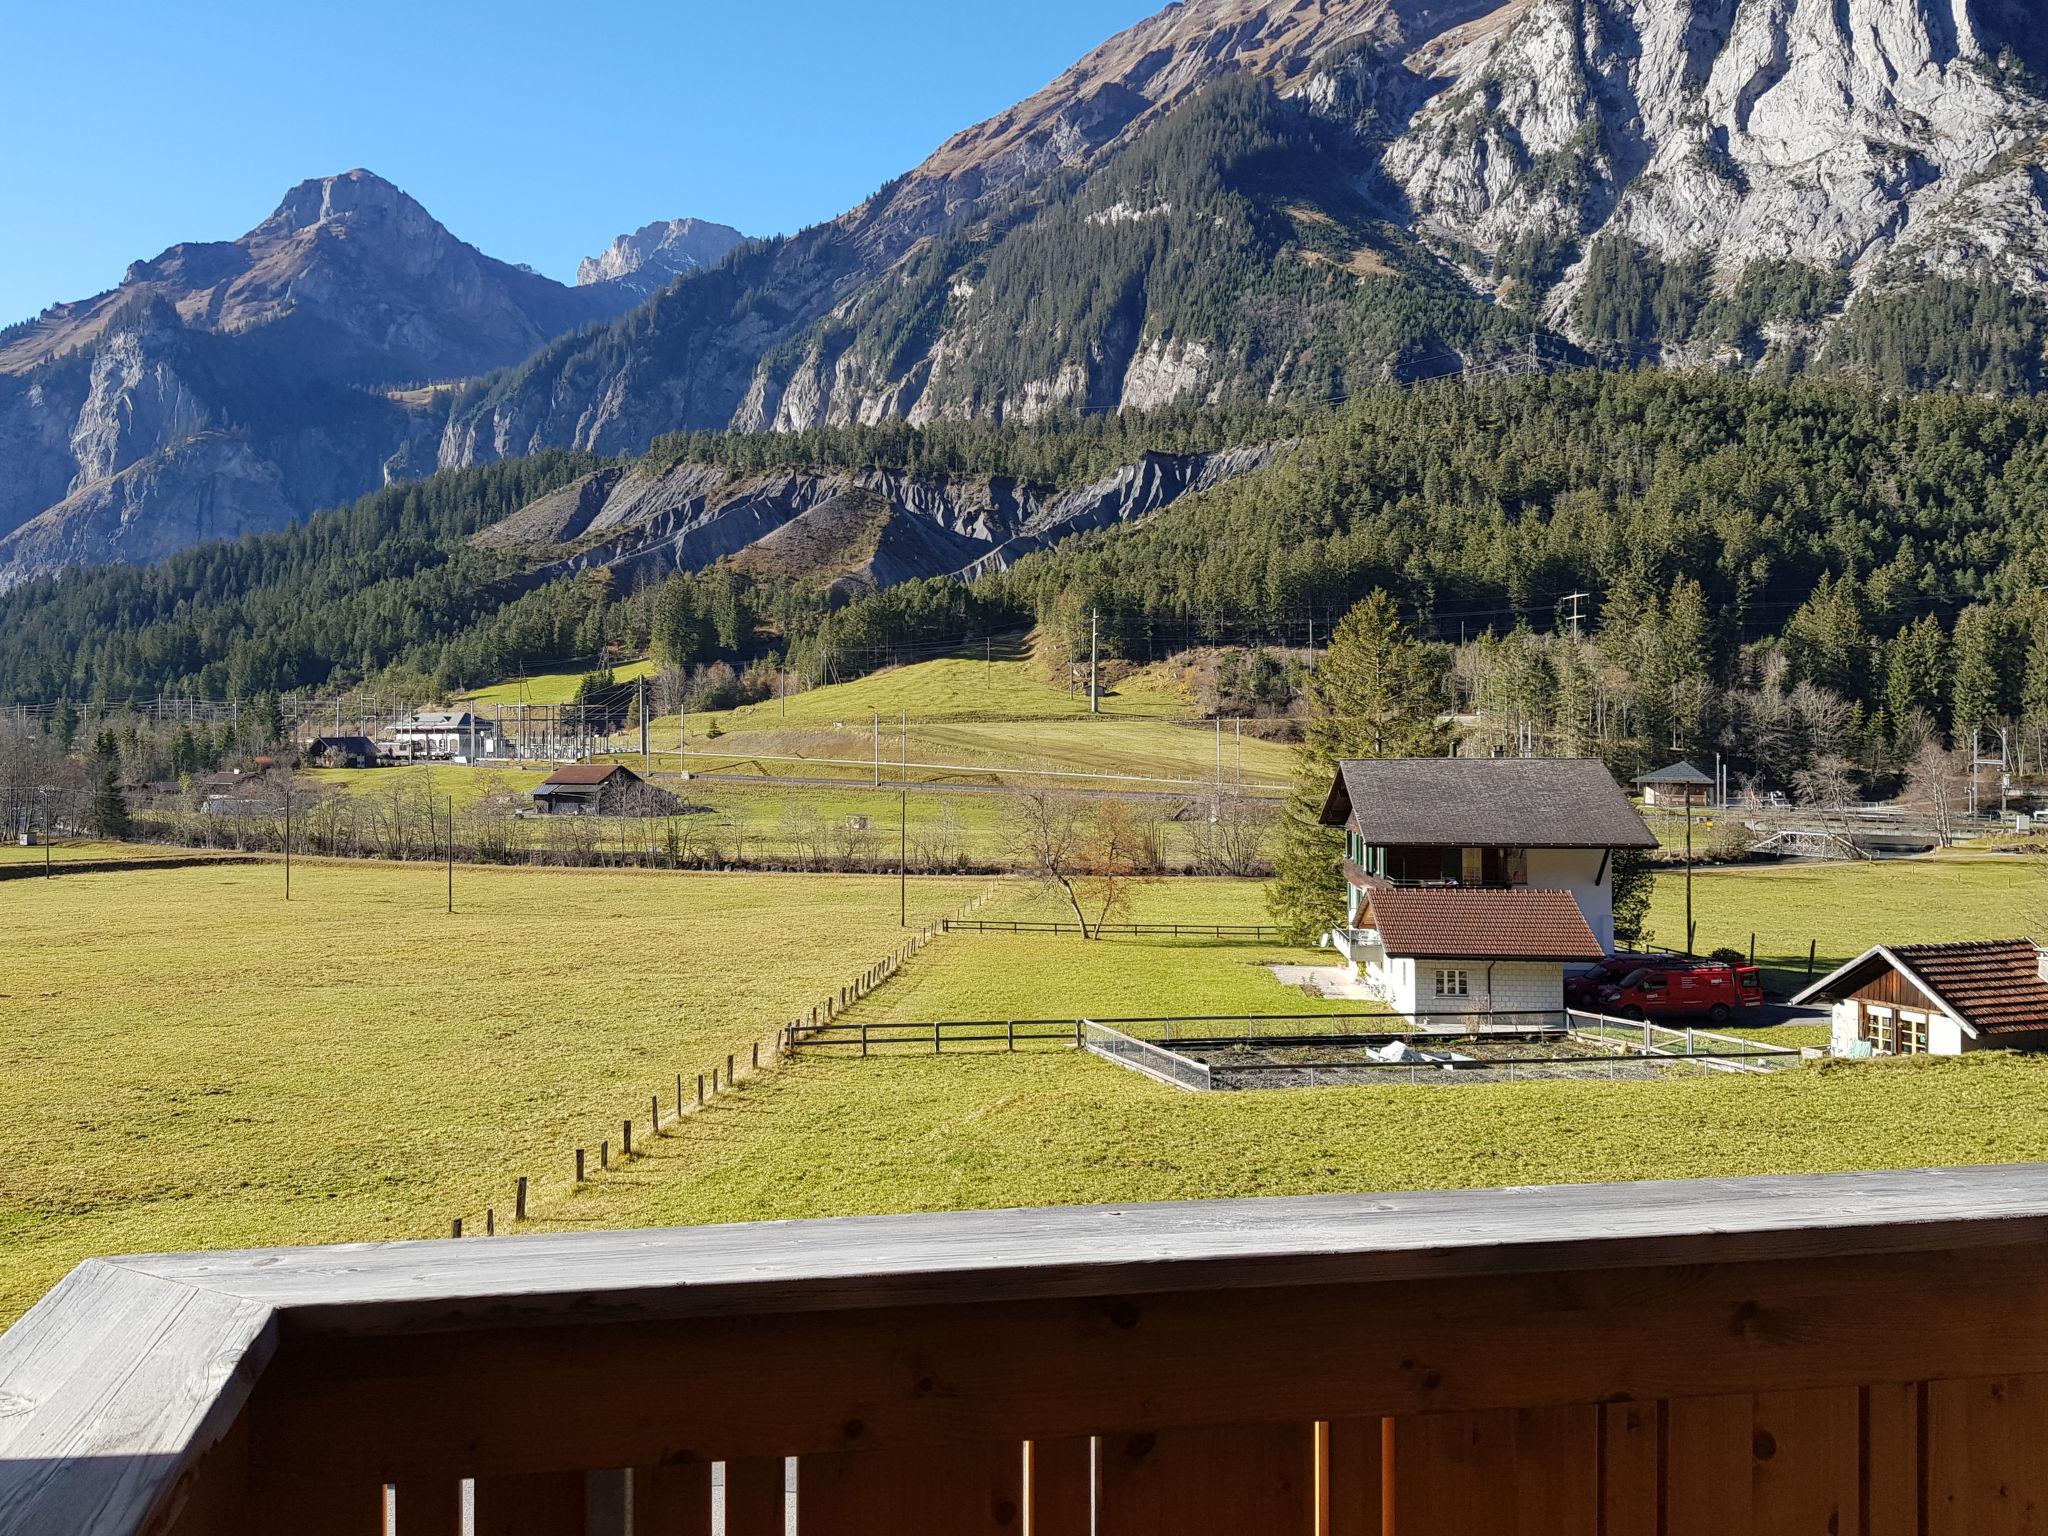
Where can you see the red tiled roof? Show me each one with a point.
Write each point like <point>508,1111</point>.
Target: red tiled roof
<point>1996,986</point>
<point>1466,923</point>
<point>586,773</point>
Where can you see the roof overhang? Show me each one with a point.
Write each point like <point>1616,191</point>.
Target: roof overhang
<point>1838,983</point>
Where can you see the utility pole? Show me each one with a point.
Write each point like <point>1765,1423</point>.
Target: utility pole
<point>878,747</point>
<point>1688,869</point>
<point>1094,632</point>
<point>451,855</point>
<point>646,757</point>
<point>903,831</point>
<point>683,735</point>
<point>287,843</point>
<point>1577,613</point>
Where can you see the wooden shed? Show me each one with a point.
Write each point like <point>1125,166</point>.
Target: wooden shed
<point>1938,999</point>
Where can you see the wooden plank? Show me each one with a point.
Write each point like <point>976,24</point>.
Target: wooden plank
<point>1710,1448</point>
<point>1208,1482</point>
<point>1454,1473</point>
<point>1891,1459</point>
<point>755,1496</point>
<point>531,1504</point>
<point>1349,1492</point>
<point>1987,1456</point>
<point>943,1491</point>
<point>1517,1472</point>
<point>1007,1255</point>
<point>1059,1487</point>
<point>1557,1475</point>
<point>113,1389</point>
<point>427,1506</point>
<point>1631,1463</point>
<point>904,1378</point>
<point>672,1500</point>
<point>1807,1463</point>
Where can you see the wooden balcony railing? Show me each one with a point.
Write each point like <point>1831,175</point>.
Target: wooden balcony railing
<point>1865,1355</point>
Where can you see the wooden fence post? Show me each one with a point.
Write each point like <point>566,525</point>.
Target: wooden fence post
<point>604,1154</point>
<point>519,1201</point>
<point>490,1221</point>
<point>679,1095</point>
<point>654,1114</point>
<point>579,1165</point>
<point>1811,946</point>
<point>626,1139</point>
<point>700,1090</point>
<point>757,1055</point>
<point>458,1226</point>
<point>730,1075</point>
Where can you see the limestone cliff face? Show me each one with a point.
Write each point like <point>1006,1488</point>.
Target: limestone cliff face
<point>1877,139</point>
<point>655,255</point>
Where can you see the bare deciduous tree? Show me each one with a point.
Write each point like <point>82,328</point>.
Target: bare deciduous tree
<point>1936,781</point>
<point>1094,855</point>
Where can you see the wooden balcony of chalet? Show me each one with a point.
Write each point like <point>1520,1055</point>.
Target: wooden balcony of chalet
<point>1863,1355</point>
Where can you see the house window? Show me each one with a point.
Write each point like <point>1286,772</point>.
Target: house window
<point>1880,1030</point>
<point>1912,1033</point>
<point>1453,983</point>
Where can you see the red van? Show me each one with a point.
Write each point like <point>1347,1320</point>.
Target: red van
<point>1702,987</point>
<point>1583,990</point>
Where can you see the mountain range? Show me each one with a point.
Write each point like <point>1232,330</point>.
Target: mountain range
<point>1234,201</point>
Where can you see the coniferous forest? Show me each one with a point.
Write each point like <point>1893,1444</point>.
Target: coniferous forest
<point>1789,574</point>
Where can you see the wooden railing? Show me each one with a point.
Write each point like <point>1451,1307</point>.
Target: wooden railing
<point>1851,1354</point>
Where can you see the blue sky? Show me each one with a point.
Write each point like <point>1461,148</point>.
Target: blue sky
<point>534,131</point>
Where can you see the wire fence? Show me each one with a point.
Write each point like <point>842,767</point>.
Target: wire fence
<point>1249,933</point>
<point>1168,1067</point>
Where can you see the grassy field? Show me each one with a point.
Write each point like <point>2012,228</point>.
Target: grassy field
<point>549,687</point>
<point>845,1136</point>
<point>1843,909</point>
<point>1049,976</point>
<point>83,850</point>
<point>190,1063</point>
<point>978,721</point>
<point>186,1061</point>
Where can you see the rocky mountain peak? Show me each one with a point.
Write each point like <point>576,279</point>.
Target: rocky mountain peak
<point>656,254</point>
<point>359,196</point>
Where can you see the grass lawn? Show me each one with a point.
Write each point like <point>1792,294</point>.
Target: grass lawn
<point>843,1136</point>
<point>1062,976</point>
<point>185,1061</point>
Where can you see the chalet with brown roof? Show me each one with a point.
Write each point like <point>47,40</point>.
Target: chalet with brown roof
<point>1938,999</point>
<point>1473,882</point>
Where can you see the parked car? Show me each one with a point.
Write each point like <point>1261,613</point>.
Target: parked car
<point>1703,988</point>
<point>1583,990</point>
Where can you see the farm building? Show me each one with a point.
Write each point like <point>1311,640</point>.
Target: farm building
<point>1938,999</point>
<point>1473,882</point>
<point>597,789</point>
<point>343,752</point>
<point>1681,784</point>
<point>442,735</point>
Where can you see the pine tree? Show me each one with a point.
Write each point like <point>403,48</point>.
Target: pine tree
<point>109,816</point>
<point>1377,692</point>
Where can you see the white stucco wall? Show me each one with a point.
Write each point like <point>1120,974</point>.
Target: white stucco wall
<point>1842,1027</point>
<point>1577,870</point>
<point>1945,1037</point>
